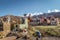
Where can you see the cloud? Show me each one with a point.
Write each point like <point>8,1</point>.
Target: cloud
<point>39,13</point>
<point>36,13</point>
<point>55,10</point>
<point>49,11</point>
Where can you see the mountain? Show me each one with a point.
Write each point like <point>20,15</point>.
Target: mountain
<point>56,14</point>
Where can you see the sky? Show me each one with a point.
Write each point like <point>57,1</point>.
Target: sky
<point>20,7</point>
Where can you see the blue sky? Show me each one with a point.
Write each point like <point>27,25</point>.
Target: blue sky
<point>20,7</point>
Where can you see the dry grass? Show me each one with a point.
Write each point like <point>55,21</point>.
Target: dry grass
<point>51,30</point>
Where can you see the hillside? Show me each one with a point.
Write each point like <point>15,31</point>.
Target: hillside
<point>56,14</point>
<point>15,19</point>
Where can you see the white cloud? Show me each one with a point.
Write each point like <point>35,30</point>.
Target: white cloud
<point>55,10</point>
<point>36,13</point>
<point>41,13</point>
<point>49,11</point>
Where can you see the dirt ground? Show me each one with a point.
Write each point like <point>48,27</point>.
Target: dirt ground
<point>32,38</point>
<point>43,38</point>
<point>9,38</point>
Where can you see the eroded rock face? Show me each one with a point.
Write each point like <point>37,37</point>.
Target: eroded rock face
<point>13,19</point>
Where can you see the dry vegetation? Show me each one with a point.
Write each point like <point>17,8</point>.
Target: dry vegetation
<point>48,30</point>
